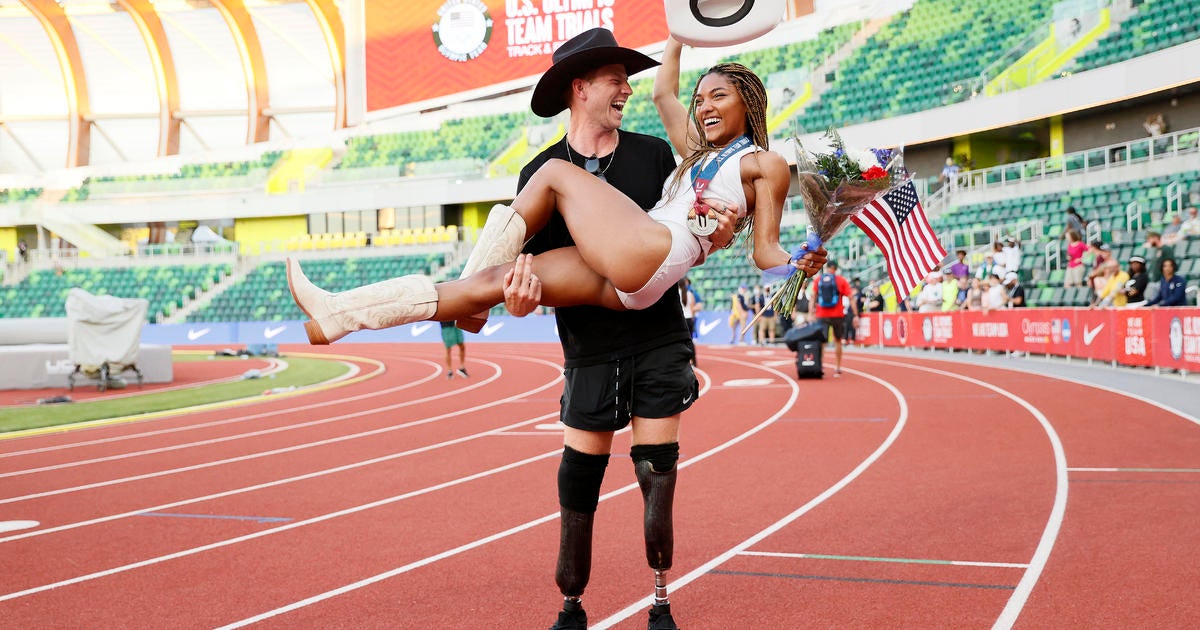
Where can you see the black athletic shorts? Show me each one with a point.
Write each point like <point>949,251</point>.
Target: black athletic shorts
<point>838,324</point>
<point>658,383</point>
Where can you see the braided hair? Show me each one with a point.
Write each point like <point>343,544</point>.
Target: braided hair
<point>754,94</point>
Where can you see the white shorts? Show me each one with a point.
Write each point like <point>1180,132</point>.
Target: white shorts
<point>685,250</point>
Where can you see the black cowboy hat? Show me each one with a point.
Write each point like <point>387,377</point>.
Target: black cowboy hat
<point>584,52</point>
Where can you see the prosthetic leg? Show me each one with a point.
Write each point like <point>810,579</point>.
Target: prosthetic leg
<point>380,305</point>
<point>579,477</point>
<point>654,465</point>
<point>499,242</point>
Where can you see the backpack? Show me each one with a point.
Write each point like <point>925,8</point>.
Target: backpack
<point>827,291</point>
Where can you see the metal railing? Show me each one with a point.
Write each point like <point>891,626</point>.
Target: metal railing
<point>1089,160</point>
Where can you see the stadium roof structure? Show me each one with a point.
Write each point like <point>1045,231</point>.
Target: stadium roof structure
<point>96,81</point>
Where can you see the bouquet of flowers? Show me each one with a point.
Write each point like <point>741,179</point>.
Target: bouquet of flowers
<point>834,186</point>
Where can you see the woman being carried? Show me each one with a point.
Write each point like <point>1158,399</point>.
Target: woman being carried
<point>624,258</point>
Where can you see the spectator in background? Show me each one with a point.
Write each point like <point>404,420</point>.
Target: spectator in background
<point>949,291</point>
<point>1113,292</point>
<point>929,299</point>
<point>766,327</point>
<point>738,309</point>
<point>1075,251</point>
<point>1172,289</point>
<point>1191,225</point>
<point>754,307</point>
<point>1155,125</point>
<point>451,337</point>
<point>974,301</point>
<point>999,259</point>
<point>1099,252</point>
<point>1075,222</point>
<point>1135,287</point>
<point>1157,251</point>
<point>1173,233</point>
<point>985,270</point>
<point>831,294</point>
<point>960,269</point>
<point>1015,297</point>
<point>993,295</point>
<point>688,301</point>
<point>1012,255</point>
<point>949,172</point>
<point>23,250</point>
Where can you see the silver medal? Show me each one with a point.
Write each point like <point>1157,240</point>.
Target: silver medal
<point>702,225</point>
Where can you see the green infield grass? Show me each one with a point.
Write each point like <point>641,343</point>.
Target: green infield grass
<point>300,371</point>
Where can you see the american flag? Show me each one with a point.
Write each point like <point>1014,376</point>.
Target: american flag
<point>897,224</point>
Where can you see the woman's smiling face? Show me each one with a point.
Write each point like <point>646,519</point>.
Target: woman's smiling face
<point>720,110</point>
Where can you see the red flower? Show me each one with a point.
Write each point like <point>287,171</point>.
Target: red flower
<point>875,172</point>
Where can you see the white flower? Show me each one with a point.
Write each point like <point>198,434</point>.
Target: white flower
<point>864,157</point>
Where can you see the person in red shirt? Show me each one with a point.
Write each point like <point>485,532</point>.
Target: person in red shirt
<point>830,293</point>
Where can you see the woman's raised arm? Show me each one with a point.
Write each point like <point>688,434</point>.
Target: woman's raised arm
<point>666,99</point>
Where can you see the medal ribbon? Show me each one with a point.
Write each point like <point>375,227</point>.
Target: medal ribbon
<point>701,178</point>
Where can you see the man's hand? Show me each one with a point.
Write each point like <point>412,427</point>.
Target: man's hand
<point>522,289</point>
<point>812,262</point>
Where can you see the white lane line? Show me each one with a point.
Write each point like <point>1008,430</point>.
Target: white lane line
<point>822,556</point>
<point>436,371</point>
<point>1144,470</point>
<point>277,482</point>
<point>1020,595</point>
<point>275,530</point>
<point>249,434</point>
<point>524,526</point>
<point>162,473</point>
<point>641,605</point>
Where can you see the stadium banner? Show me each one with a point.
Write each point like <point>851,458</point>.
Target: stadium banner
<point>419,50</point>
<point>1160,337</point>
<point>1096,338</point>
<point>1179,347</point>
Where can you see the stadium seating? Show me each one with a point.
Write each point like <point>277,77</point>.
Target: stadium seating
<point>19,194</point>
<point>916,61</point>
<point>43,293</point>
<point>479,137</point>
<point>641,116</point>
<point>263,294</point>
<point>188,177</point>
<point>1155,25</point>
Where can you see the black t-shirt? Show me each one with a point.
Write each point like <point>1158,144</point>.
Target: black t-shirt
<point>1017,292</point>
<point>592,334</point>
<point>1137,287</point>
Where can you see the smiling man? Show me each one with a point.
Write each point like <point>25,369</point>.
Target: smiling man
<point>622,367</point>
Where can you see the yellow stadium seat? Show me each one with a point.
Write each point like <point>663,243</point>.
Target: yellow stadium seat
<point>407,237</point>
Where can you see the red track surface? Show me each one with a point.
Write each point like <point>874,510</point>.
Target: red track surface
<point>411,501</point>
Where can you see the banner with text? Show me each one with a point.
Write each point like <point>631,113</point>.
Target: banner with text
<point>1162,337</point>
<point>422,49</point>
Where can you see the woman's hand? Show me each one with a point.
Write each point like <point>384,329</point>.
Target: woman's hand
<point>812,262</point>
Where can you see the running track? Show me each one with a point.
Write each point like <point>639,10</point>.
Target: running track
<point>913,492</point>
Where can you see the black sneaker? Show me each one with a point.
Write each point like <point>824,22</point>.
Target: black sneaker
<point>449,374</point>
<point>660,618</point>
<point>463,372</point>
<point>572,617</point>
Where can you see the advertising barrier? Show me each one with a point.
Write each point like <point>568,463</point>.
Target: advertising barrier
<point>1159,337</point>
<point>418,50</point>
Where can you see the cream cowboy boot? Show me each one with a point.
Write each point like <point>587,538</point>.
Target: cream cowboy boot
<point>379,305</point>
<point>499,242</point>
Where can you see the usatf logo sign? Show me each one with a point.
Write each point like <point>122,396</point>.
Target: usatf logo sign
<point>463,29</point>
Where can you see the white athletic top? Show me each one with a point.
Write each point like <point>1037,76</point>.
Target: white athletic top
<point>687,249</point>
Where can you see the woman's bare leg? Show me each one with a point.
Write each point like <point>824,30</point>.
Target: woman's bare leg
<point>615,237</point>
<point>567,280</point>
